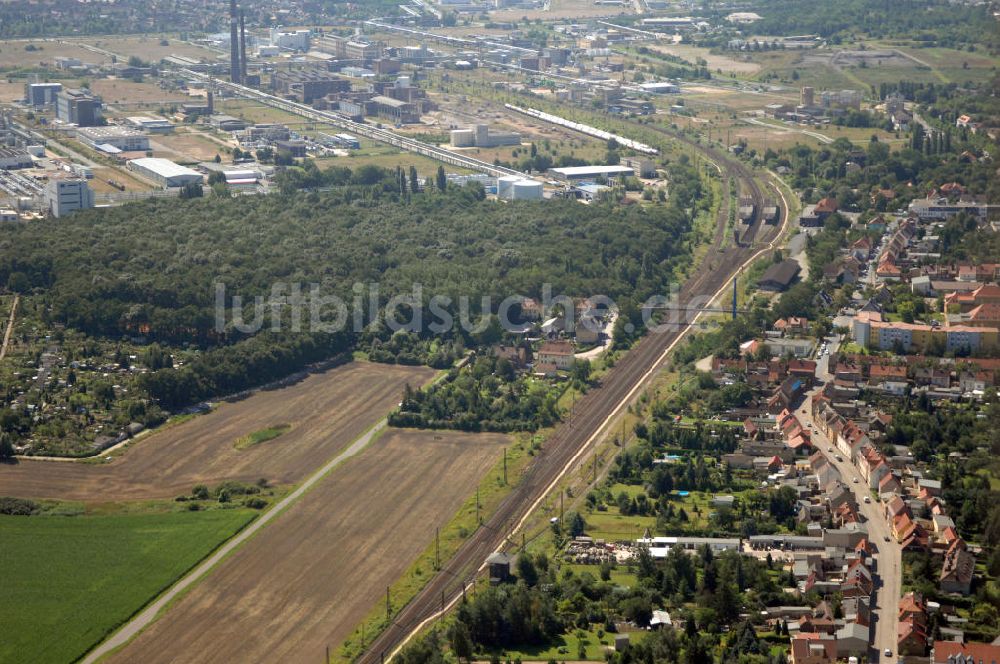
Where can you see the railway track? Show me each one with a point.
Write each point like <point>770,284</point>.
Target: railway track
<point>575,435</point>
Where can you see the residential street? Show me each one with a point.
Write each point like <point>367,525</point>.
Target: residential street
<point>885,608</point>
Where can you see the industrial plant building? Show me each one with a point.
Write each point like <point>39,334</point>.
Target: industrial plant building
<point>480,136</point>
<point>78,107</point>
<point>165,172</point>
<point>591,173</point>
<point>14,158</point>
<point>41,94</point>
<point>290,40</point>
<point>64,195</point>
<point>153,124</point>
<point>307,85</point>
<point>120,138</point>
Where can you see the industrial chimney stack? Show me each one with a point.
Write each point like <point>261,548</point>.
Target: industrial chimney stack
<point>243,50</point>
<point>234,46</point>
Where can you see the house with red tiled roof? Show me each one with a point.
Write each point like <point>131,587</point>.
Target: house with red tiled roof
<point>817,624</point>
<point>845,514</point>
<point>850,372</point>
<point>806,650</point>
<point>889,484</point>
<point>826,207</point>
<point>558,353</point>
<point>792,325</point>
<point>872,465</point>
<point>896,506</point>
<point>912,635</point>
<point>914,539</point>
<point>858,580</point>
<point>888,271</point>
<point>902,525</point>
<point>913,607</point>
<point>955,652</point>
<point>952,189</point>
<point>861,248</point>
<point>911,641</point>
<point>801,443</point>
<point>802,368</point>
<point>958,569</point>
<point>985,294</point>
<point>851,439</point>
<point>983,315</point>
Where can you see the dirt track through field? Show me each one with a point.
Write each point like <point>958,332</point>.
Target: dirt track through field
<point>307,580</point>
<point>326,411</point>
<point>10,327</point>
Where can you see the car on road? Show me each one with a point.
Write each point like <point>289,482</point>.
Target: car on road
<point>887,653</point>
<point>829,449</point>
<point>886,538</point>
<point>855,480</point>
<point>868,499</point>
<point>839,458</point>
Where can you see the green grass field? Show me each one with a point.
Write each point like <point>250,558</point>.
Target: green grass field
<point>69,581</point>
<point>261,436</point>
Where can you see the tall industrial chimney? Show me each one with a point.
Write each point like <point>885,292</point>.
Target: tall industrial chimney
<point>243,49</point>
<point>234,46</point>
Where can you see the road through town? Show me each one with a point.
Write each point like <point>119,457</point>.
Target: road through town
<point>889,567</point>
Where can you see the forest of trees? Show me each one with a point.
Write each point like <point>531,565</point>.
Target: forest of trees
<point>151,270</point>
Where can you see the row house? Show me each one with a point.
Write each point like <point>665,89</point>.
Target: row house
<point>873,466</point>
<point>851,439</point>
<point>912,634</point>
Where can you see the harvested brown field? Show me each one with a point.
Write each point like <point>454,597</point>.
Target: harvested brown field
<point>326,412</point>
<point>306,580</point>
<point>17,53</point>
<point>188,146</point>
<point>151,49</point>
<point>131,96</point>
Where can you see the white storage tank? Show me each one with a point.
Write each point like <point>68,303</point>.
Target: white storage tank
<point>526,190</point>
<point>505,186</point>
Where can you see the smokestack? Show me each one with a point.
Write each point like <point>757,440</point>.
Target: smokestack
<point>243,49</point>
<point>234,46</point>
